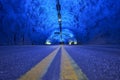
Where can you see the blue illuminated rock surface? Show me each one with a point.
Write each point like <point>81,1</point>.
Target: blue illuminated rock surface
<point>34,21</point>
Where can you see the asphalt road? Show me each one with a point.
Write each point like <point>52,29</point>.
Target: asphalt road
<point>98,62</point>
<point>17,60</point>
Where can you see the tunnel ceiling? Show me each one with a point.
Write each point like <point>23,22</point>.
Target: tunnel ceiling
<point>35,21</point>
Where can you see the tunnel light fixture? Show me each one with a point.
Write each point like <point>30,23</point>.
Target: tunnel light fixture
<point>59,20</point>
<point>72,42</point>
<point>48,43</point>
<point>75,42</point>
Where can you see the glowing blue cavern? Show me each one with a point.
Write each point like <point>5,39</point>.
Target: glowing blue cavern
<point>36,21</point>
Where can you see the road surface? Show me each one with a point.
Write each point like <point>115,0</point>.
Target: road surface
<point>60,62</point>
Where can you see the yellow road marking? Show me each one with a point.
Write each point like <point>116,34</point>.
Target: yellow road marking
<point>37,72</point>
<point>69,69</point>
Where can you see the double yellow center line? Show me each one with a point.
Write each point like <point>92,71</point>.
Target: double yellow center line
<point>69,69</point>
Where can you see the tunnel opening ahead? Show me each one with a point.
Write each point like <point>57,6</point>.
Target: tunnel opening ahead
<point>67,37</point>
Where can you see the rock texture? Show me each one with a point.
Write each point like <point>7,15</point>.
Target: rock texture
<point>34,21</point>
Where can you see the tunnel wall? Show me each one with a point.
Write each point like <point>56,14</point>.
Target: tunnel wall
<point>32,21</point>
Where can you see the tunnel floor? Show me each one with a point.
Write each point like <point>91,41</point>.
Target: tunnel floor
<point>60,62</point>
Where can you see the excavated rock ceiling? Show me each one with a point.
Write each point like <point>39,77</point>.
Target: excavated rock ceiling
<point>35,21</point>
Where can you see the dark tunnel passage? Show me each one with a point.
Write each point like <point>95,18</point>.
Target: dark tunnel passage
<point>25,22</point>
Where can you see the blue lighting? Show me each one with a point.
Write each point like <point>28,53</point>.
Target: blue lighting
<point>35,21</point>
<point>66,36</point>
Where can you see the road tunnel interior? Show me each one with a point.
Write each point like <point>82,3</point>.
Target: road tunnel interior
<point>26,22</point>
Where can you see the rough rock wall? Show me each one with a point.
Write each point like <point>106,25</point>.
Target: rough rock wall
<point>33,21</point>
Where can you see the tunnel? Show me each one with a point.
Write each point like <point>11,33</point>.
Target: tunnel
<point>34,21</point>
<point>59,39</point>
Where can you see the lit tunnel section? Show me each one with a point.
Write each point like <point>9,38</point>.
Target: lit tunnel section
<point>62,35</point>
<point>67,37</point>
<point>28,27</point>
<point>26,22</point>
